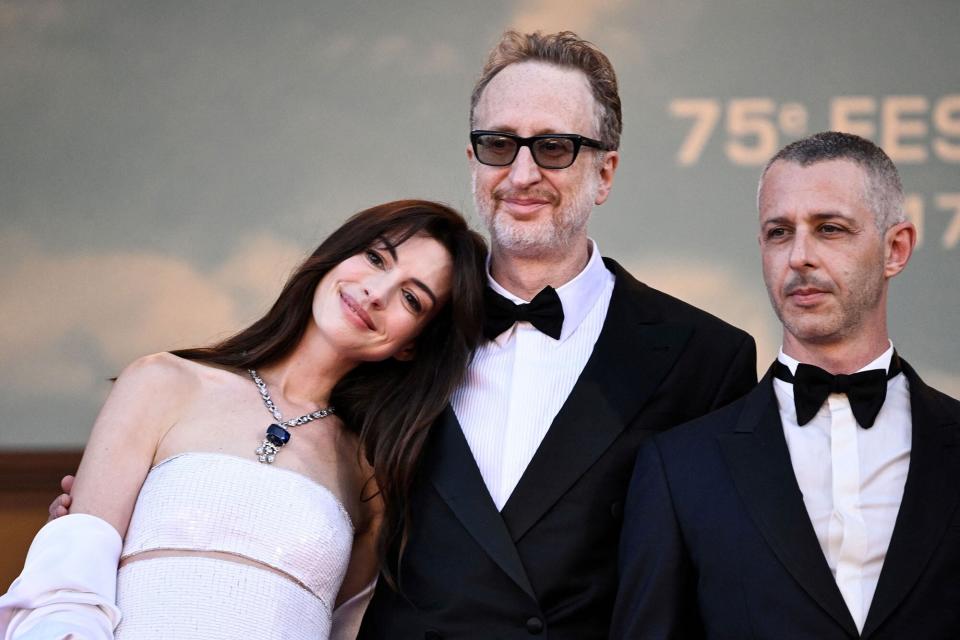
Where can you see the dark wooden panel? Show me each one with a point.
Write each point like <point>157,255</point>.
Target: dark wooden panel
<point>29,481</point>
<point>36,470</point>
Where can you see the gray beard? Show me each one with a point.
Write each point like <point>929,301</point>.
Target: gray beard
<point>535,239</point>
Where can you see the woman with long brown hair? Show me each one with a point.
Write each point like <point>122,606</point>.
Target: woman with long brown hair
<point>246,489</point>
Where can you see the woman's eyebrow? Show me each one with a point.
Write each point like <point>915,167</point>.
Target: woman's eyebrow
<point>389,247</point>
<point>427,290</point>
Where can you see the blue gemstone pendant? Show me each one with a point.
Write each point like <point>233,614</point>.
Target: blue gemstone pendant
<point>277,434</point>
<point>275,438</point>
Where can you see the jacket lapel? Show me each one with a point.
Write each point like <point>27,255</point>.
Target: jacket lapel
<point>633,353</point>
<point>930,498</point>
<point>759,462</point>
<point>456,477</point>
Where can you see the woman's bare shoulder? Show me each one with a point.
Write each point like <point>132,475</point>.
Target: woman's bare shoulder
<point>162,367</point>
<point>149,396</point>
<point>166,371</point>
<point>158,388</point>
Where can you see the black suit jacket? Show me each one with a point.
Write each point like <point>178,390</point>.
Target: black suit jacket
<point>717,542</point>
<point>546,564</point>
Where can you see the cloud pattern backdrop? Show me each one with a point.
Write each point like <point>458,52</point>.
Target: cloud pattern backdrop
<point>163,166</point>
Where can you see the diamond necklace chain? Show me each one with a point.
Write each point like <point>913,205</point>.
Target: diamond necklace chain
<point>275,412</point>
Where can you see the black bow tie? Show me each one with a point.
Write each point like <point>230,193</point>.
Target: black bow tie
<point>544,312</point>
<point>865,390</point>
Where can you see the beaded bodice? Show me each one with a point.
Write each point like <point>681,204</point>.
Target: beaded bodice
<point>216,502</point>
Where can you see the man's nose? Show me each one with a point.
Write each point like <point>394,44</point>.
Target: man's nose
<point>802,251</point>
<point>524,171</point>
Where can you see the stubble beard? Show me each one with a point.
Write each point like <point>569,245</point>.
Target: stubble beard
<point>530,239</point>
<point>864,293</point>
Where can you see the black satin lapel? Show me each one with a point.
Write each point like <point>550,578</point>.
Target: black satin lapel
<point>759,462</point>
<point>930,498</point>
<point>627,365</point>
<point>456,477</point>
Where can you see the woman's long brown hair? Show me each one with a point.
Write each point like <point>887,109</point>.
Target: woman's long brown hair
<point>391,404</point>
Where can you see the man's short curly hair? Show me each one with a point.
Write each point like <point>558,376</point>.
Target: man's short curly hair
<point>564,49</point>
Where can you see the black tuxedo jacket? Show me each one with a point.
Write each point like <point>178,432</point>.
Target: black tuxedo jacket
<point>717,542</point>
<point>547,564</point>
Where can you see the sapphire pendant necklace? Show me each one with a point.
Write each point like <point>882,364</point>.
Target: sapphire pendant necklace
<point>277,434</point>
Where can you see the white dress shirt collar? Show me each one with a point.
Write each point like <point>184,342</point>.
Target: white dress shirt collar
<point>882,362</point>
<point>577,296</point>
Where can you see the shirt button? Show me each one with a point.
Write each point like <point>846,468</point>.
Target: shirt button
<point>534,625</point>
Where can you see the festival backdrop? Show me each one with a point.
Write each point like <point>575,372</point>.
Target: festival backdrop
<point>163,165</point>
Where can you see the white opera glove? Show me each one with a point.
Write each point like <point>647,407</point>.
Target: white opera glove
<point>68,587</point>
<point>348,616</point>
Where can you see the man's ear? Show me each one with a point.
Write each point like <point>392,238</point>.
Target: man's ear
<point>899,241</point>
<point>406,353</point>
<point>609,167</point>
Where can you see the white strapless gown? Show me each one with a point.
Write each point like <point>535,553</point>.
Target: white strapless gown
<point>216,502</point>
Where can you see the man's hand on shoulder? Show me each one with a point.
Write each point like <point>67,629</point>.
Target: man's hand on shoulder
<point>61,505</point>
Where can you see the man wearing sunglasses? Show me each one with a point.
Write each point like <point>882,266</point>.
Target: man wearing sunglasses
<point>515,516</point>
